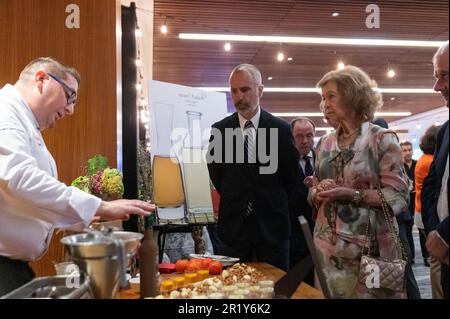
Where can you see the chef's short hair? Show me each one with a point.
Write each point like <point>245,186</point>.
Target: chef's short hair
<point>49,65</point>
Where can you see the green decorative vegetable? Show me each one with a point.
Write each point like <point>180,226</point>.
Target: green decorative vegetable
<point>83,183</point>
<point>97,163</point>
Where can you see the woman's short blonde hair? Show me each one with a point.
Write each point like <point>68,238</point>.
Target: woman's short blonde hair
<point>356,88</point>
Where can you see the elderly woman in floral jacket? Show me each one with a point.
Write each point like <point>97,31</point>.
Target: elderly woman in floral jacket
<point>353,163</point>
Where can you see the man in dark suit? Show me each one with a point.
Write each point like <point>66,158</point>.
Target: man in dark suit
<point>253,163</point>
<point>303,130</point>
<point>435,187</point>
<point>410,166</point>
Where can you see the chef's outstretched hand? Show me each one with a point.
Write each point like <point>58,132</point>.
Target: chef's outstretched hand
<point>123,208</point>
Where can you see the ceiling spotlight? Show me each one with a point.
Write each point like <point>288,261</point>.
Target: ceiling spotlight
<point>164,29</point>
<point>392,98</point>
<point>391,73</point>
<point>227,46</point>
<point>290,58</point>
<point>335,14</point>
<point>340,65</point>
<point>280,56</point>
<point>138,32</point>
<point>269,78</point>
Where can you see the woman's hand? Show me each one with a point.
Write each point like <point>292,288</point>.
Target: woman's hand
<point>310,181</point>
<point>337,193</point>
<point>326,184</point>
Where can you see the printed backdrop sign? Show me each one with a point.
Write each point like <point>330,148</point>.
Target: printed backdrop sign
<point>180,127</point>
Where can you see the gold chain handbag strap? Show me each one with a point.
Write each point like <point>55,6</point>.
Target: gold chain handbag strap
<point>390,223</point>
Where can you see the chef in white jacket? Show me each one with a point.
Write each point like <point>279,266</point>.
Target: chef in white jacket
<point>32,201</point>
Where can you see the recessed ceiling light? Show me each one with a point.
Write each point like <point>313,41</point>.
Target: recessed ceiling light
<point>437,123</point>
<point>227,46</point>
<point>391,73</point>
<point>310,40</point>
<point>280,56</point>
<point>392,98</point>
<point>164,29</point>
<point>418,126</point>
<point>335,14</point>
<point>269,78</point>
<point>290,58</point>
<point>324,120</point>
<point>340,65</point>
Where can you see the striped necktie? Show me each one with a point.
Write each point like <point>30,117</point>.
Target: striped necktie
<point>249,143</point>
<point>309,171</point>
<point>249,153</point>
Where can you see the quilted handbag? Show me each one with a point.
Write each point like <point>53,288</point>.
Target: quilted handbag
<point>391,272</point>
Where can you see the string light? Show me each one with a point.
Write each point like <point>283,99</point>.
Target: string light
<point>141,99</point>
<point>138,32</point>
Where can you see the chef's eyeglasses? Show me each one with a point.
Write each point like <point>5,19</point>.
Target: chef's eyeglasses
<point>71,95</point>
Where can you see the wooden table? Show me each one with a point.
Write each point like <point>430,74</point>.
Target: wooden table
<point>304,291</point>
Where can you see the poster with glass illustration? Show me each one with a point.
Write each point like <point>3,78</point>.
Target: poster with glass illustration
<point>180,126</point>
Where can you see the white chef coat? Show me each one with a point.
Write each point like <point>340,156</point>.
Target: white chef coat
<point>32,201</point>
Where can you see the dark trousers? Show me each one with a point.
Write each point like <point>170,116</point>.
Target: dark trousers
<point>410,239</point>
<point>249,245</point>
<point>214,237</point>
<point>423,240</point>
<point>412,289</point>
<point>444,280</point>
<point>13,274</point>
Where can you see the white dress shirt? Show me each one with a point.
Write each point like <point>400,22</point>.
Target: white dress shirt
<point>254,120</point>
<point>32,201</point>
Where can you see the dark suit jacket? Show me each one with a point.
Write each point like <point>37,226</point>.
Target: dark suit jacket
<point>298,205</point>
<point>432,187</point>
<point>239,183</point>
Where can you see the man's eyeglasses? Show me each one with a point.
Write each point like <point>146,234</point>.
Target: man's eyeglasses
<point>71,95</point>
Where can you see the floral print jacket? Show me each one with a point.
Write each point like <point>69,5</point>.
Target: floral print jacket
<point>373,159</point>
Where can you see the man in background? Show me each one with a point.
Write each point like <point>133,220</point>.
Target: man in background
<point>410,167</point>
<point>304,131</point>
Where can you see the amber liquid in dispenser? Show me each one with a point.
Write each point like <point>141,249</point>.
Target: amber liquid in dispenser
<point>148,263</point>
